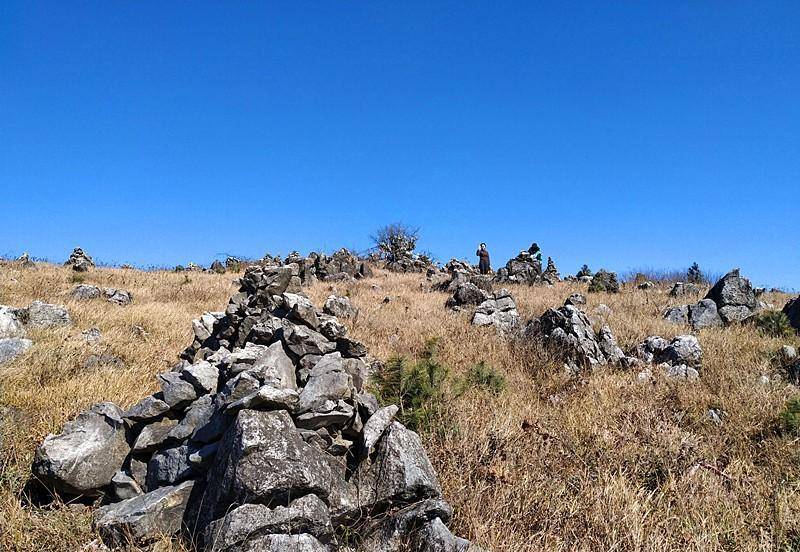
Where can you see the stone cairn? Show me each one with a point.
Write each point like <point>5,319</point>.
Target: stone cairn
<point>604,281</point>
<point>551,275</point>
<point>522,269</point>
<point>731,300</point>
<point>262,438</point>
<point>79,261</point>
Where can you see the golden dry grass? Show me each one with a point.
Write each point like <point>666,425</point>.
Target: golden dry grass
<point>602,462</point>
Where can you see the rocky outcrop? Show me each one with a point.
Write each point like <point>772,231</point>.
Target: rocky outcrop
<point>44,315</point>
<point>79,261</point>
<point>499,310</point>
<point>262,438</point>
<point>112,295</point>
<point>731,300</point>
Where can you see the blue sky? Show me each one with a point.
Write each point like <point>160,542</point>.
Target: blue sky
<point>622,135</point>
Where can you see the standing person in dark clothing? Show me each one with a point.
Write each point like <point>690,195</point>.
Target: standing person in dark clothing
<point>483,265</point>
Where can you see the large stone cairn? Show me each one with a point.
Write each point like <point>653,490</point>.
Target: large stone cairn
<point>525,268</point>
<point>263,438</point>
<point>79,261</point>
<point>731,300</point>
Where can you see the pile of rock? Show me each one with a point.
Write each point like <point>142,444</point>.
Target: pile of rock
<point>342,265</point>
<point>79,261</point>
<point>732,299</point>
<point>604,281</point>
<point>112,295</point>
<point>13,324</point>
<point>264,439</point>
<point>458,265</point>
<point>498,310</point>
<point>525,268</point>
<point>679,358</point>
<point>568,332</point>
<point>340,307</point>
<point>217,267</point>
<point>551,275</point>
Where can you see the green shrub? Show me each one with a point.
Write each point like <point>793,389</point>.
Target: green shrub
<point>417,388</point>
<point>483,376</point>
<point>773,324</point>
<point>77,278</point>
<point>790,417</point>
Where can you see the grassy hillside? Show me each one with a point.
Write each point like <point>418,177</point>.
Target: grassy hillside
<point>544,462</point>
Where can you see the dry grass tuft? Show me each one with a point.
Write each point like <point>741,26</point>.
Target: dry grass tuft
<point>548,463</point>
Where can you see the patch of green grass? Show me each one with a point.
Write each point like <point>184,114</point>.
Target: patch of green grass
<point>774,324</point>
<point>790,417</point>
<point>483,376</point>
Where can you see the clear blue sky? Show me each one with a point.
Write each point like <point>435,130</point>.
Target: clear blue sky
<point>622,134</point>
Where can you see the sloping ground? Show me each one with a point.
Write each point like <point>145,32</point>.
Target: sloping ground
<point>598,463</point>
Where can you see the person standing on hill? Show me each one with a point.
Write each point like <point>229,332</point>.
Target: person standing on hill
<point>483,265</point>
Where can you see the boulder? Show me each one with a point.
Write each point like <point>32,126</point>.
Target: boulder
<point>145,517</point>
<point>681,289</point>
<point>45,315</point>
<point>704,315</point>
<point>576,300</point>
<point>84,457</point>
<point>568,332</point>
<point>339,307</point>
<point>678,315</point>
<point>734,297</point>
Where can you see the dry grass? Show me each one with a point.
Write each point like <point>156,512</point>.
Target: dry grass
<point>551,463</point>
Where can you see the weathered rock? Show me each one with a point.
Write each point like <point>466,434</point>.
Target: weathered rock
<point>85,292</point>
<point>376,426</point>
<point>176,390</point>
<point>145,517</point>
<point>149,408</point>
<point>338,306</point>
<point>45,315</point>
<point>262,458</point>
<point>169,466</point>
<point>525,268</point>
<point>153,435</point>
<point>646,285</point>
<point>734,296</point>
<point>704,315</point>
<point>328,381</point>
<point>400,471</point>
<point>684,349</point>
<point>124,486</point>
<point>568,332</point>
<point>85,456</point>
<point>92,335</point>
<point>249,522</point>
<point>12,347</point>
<point>678,315</point>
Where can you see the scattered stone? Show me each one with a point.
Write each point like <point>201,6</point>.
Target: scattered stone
<point>79,261</point>
<point>678,358</point>
<point>677,315</point>
<point>646,285</point>
<point>86,292</point>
